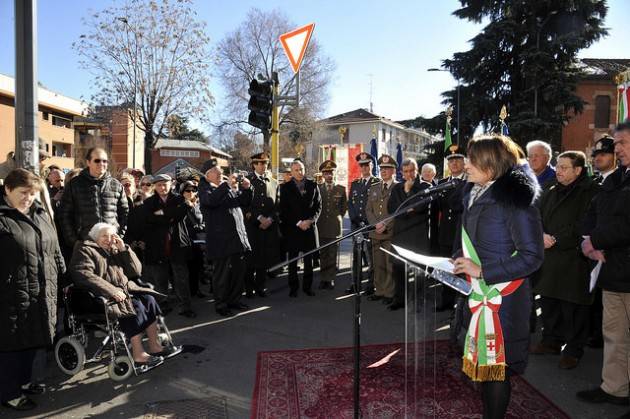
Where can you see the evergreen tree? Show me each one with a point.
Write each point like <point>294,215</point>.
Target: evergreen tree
<point>524,58</point>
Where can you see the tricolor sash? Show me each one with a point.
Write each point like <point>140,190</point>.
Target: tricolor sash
<point>484,349</point>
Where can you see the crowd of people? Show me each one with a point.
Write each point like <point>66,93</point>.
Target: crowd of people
<point>515,226</point>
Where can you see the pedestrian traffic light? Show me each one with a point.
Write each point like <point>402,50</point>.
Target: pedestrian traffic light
<point>260,104</point>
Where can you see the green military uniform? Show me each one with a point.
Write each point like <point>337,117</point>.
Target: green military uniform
<point>376,210</point>
<point>329,225</point>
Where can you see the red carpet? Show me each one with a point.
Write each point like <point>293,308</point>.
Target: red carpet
<point>317,383</point>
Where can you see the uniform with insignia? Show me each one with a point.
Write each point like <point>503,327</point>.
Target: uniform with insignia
<point>359,189</point>
<point>376,210</point>
<point>603,145</point>
<point>265,242</point>
<point>329,225</point>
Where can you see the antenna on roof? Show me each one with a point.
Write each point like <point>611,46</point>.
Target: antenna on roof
<point>371,76</point>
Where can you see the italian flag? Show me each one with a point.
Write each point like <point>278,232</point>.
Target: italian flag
<point>447,143</point>
<point>623,106</point>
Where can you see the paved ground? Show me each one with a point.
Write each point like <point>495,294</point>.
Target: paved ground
<point>226,367</point>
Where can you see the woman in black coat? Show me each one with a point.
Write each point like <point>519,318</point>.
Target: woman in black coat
<point>501,245</point>
<point>30,262</point>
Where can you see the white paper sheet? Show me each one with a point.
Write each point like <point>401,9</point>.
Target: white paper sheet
<point>594,276</point>
<point>441,263</point>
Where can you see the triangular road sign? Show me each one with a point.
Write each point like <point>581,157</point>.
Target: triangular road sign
<point>295,43</point>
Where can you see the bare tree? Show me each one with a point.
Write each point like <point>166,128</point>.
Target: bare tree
<point>254,48</point>
<point>153,53</point>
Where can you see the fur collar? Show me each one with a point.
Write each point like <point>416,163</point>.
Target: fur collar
<point>517,188</point>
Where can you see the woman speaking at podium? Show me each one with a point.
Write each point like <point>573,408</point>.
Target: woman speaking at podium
<point>501,245</point>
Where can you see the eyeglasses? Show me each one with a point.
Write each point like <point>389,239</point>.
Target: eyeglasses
<point>97,161</point>
<point>190,190</point>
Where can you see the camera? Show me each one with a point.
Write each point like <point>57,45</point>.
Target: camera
<point>240,176</point>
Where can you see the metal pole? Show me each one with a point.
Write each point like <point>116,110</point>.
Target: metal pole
<point>358,268</point>
<point>275,128</point>
<point>135,106</point>
<point>297,89</point>
<point>26,109</point>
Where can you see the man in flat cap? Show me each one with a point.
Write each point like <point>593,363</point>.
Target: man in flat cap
<point>603,155</point>
<point>376,210</point>
<point>356,210</point>
<point>300,207</point>
<point>329,224</point>
<point>261,219</point>
<point>227,245</point>
<point>167,242</point>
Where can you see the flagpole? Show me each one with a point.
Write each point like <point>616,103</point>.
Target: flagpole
<point>617,80</point>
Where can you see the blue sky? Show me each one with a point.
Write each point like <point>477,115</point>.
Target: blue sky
<point>394,41</point>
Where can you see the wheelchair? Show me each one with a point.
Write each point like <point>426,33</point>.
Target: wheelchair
<point>88,316</point>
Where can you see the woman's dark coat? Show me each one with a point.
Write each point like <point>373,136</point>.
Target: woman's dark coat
<point>295,207</point>
<point>30,262</point>
<point>411,229</point>
<point>565,272</point>
<point>94,269</point>
<point>225,225</point>
<point>502,221</point>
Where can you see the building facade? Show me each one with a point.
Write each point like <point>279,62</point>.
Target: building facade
<point>167,151</point>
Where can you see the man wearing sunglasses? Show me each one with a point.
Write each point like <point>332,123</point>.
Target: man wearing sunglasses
<point>93,196</point>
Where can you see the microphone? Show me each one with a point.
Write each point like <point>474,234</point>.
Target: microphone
<point>451,184</point>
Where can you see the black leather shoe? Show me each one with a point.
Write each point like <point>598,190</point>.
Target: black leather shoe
<point>350,290</point>
<point>597,395</point>
<point>293,294</point>
<point>261,293</point>
<point>322,285</point>
<point>309,293</point>
<point>22,403</point>
<point>188,313</point>
<point>225,312</point>
<point>34,389</point>
<point>395,306</point>
<point>375,297</point>
<point>369,291</point>
<point>249,294</point>
<point>238,306</point>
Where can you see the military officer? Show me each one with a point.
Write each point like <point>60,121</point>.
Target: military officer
<point>450,207</point>
<point>329,223</point>
<point>359,189</point>
<point>262,226</point>
<point>376,210</point>
<point>603,155</point>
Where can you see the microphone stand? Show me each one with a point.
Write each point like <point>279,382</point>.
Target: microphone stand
<point>358,243</point>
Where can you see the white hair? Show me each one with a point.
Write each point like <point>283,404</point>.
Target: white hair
<point>294,162</point>
<point>429,166</point>
<point>410,162</point>
<point>538,143</point>
<point>96,229</point>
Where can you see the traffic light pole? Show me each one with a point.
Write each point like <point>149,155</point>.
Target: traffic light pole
<point>275,129</point>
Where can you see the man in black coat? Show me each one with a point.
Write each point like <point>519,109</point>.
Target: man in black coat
<point>227,245</point>
<point>261,219</point>
<point>607,240</point>
<point>168,244</point>
<point>411,229</point>
<point>300,206</point>
<point>92,197</point>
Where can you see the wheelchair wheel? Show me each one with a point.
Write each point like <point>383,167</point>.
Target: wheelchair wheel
<point>70,355</point>
<point>120,368</point>
<point>164,339</point>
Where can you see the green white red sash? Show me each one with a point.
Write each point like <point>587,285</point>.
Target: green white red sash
<point>484,349</point>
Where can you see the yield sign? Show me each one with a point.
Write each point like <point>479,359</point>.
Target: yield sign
<point>295,43</point>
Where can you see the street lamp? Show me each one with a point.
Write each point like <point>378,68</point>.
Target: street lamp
<point>135,86</point>
<point>458,100</point>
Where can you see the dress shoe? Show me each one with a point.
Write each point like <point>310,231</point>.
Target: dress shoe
<point>350,289</point>
<point>249,294</point>
<point>188,313</point>
<point>22,403</point>
<point>597,395</point>
<point>568,362</point>
<point>369,291</point>
<point>395,306</point>
<point>387,301</point>
<point>375,297</point>
<point>225,312</point>
<point>322,285</point>
<point>293,293</point>
<point>238,306</point>
<point>34,389</point>
<point>544,349</point>
<point>309,293</point>
<point>261,293</point>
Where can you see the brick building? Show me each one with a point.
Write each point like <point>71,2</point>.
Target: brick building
<point>196,153</point>
<point>598,89</point>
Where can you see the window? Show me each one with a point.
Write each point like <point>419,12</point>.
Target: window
<point>61,121</point>
<point>179,153</point>
<point>602,111</point>
<point>45,116</point>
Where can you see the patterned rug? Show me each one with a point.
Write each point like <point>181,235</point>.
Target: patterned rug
<point>317,383</point>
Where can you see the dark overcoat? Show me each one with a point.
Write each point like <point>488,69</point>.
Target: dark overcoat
<point>30,262</point>
<point>505,229</point>
<point>608,224</point>
<point>265,243</point>
<point>225,225</point>
<point>564,274</point>
<point>295,207</point>
<point>104,273</point>
<point>411,229</point>
<point>451,207</point>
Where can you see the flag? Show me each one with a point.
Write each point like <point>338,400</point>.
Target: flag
<point>447,143</point>
<point>623,105</point>
<point>504,129</point>
<point>399,160</point>
<point>502,117</point>
<point>374,154</point>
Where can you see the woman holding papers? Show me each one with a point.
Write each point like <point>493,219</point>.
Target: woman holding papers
<point>501,245</point>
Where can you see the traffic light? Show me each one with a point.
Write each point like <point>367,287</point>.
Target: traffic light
<point>260,104</point>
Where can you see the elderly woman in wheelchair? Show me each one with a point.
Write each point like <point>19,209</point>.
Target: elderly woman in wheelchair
<point>107,268</point>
